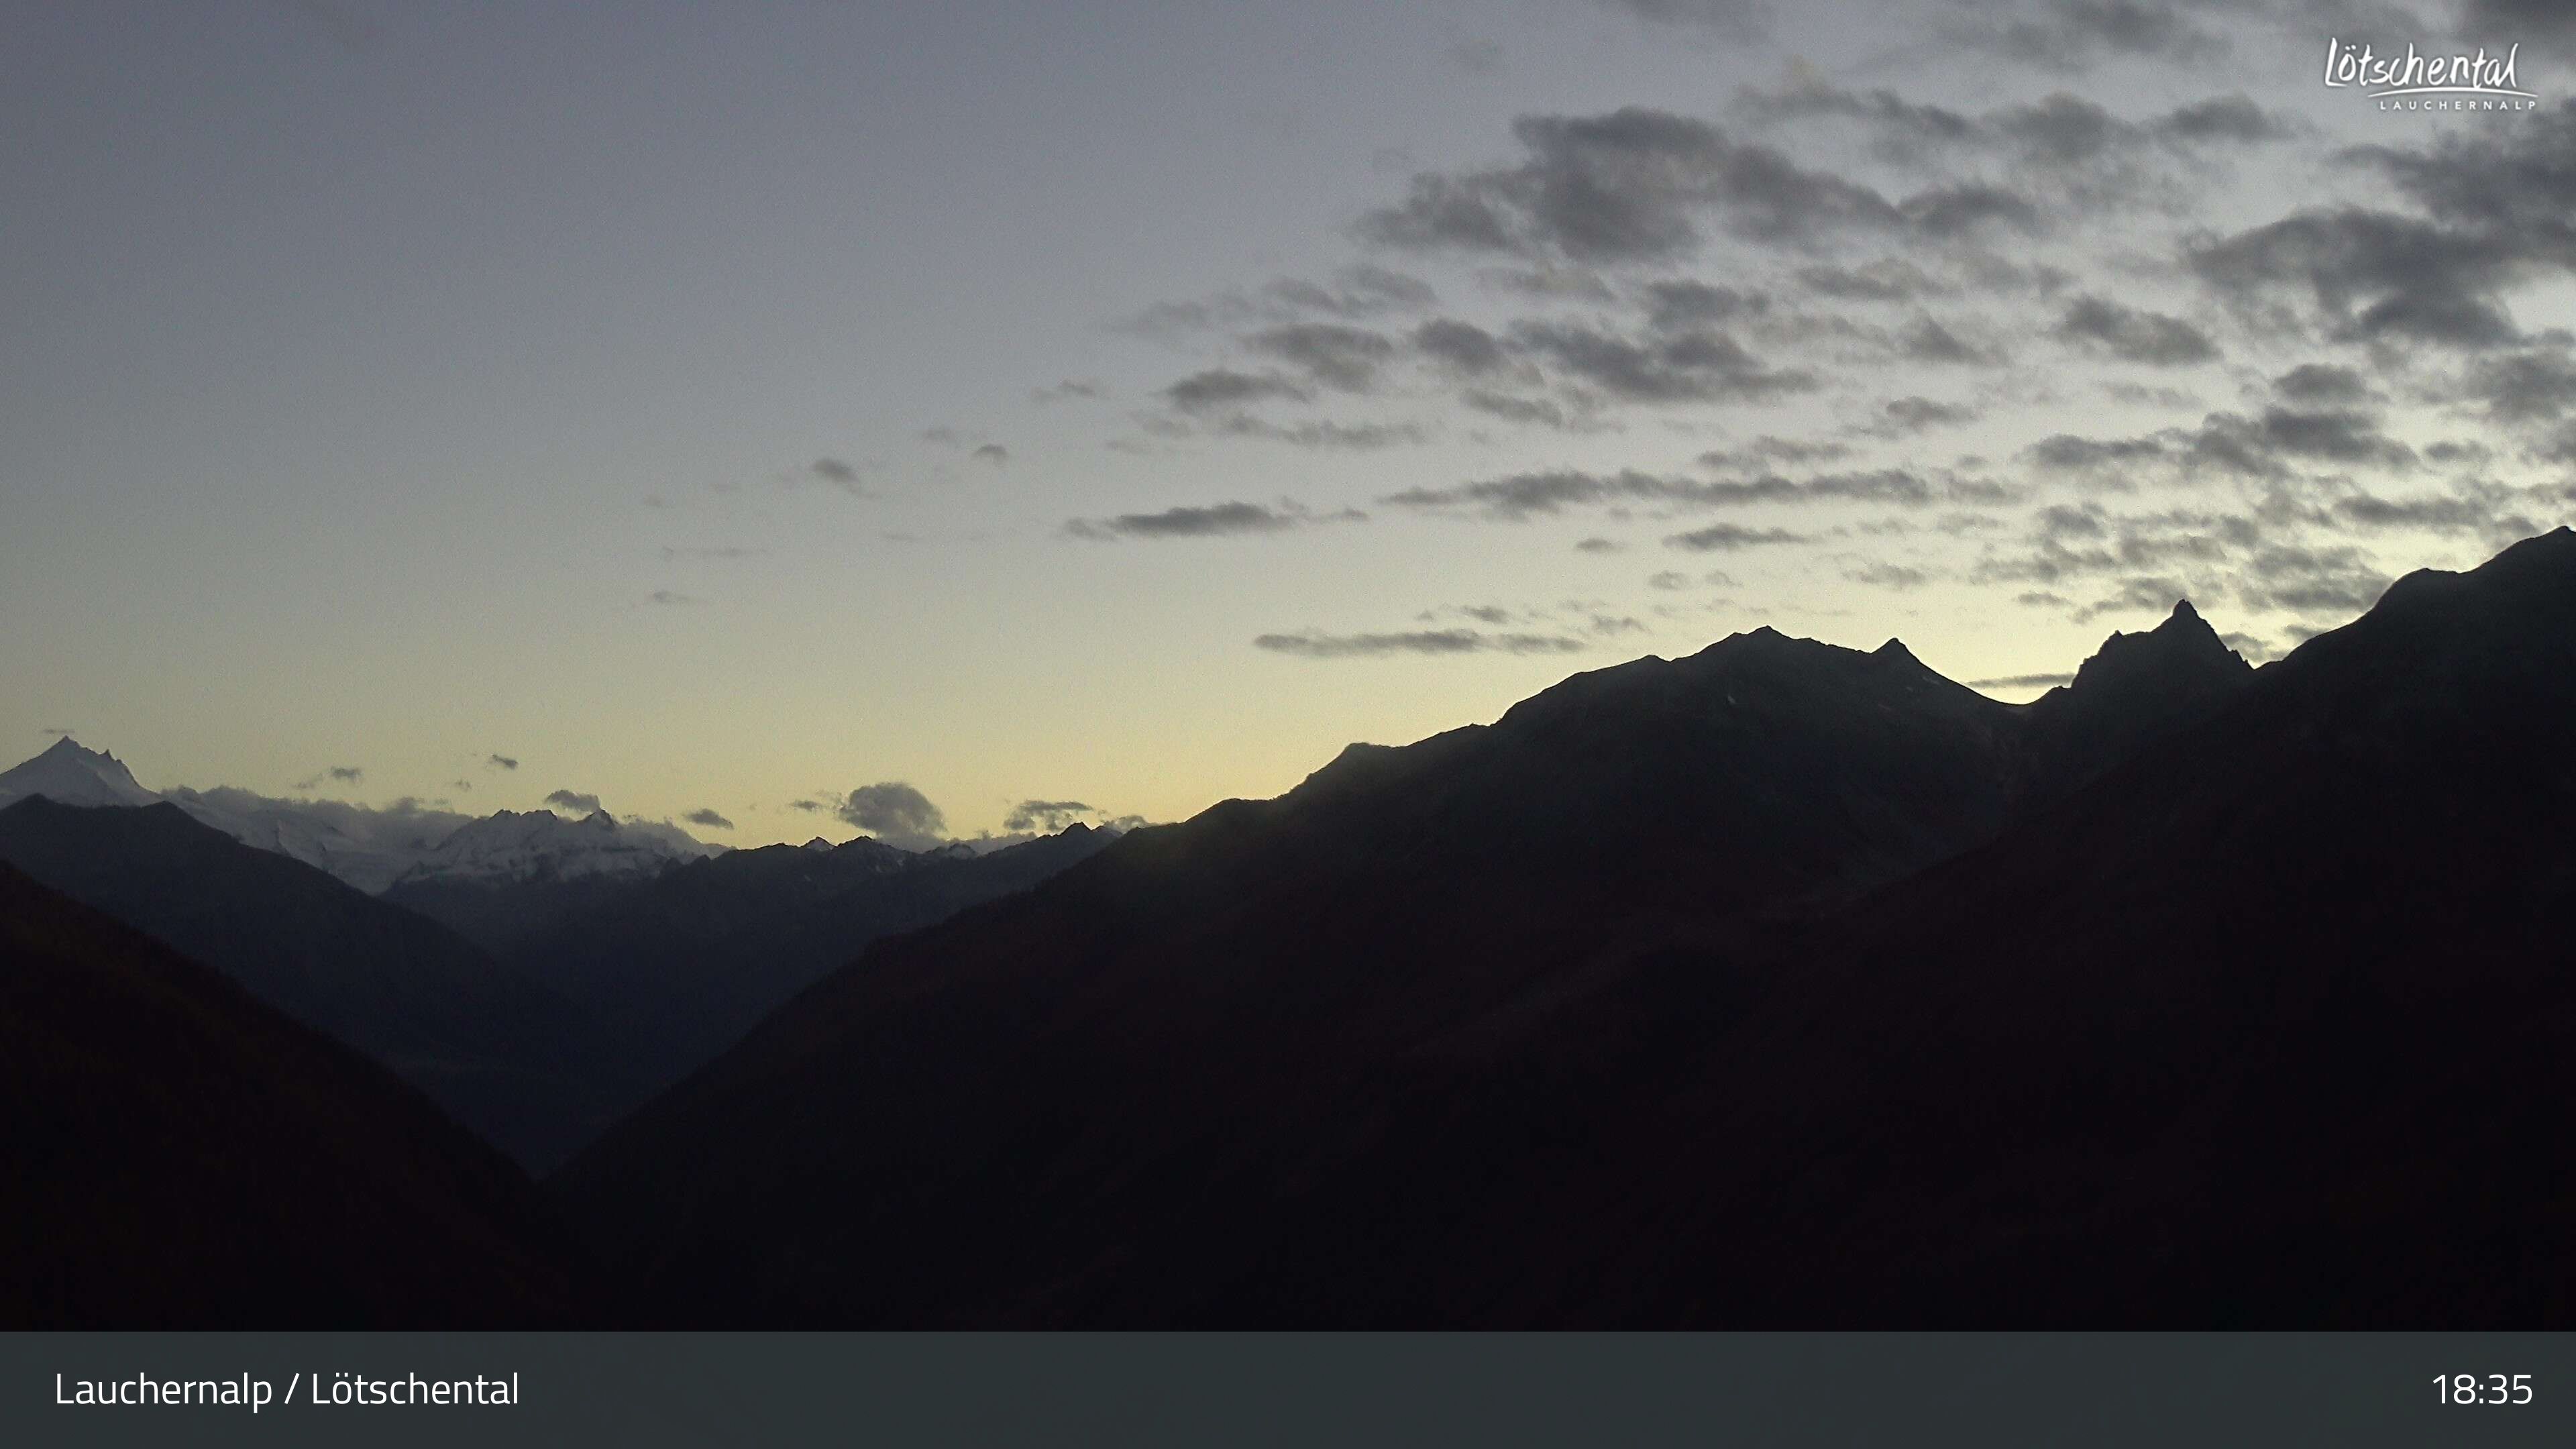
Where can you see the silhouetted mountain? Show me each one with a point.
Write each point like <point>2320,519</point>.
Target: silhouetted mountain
<point>181,1156</point>
<point>679,965</point>
<point>514,1061</point>
<point>1780,984</point>
<point>2137,686</point>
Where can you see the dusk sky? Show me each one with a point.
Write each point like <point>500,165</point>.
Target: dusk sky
<point>726,408</point>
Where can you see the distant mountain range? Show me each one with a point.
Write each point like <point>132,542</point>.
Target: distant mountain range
<point>419,847</point>
<point>1778,985</point>
<point>537,976</point>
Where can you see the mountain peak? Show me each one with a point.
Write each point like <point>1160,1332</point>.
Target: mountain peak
<point>2181,652</point>
<point>70,775</point>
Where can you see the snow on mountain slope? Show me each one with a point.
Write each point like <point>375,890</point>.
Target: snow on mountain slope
<point>69,775</point>
<point>370,847</point>
<point>541,845</point>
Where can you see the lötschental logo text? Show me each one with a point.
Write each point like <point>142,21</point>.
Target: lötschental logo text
<point>2415,81</point>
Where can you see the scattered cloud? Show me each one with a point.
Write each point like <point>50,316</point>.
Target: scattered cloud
<point>2133,335</point>
<point>1069,390</point>
<point>577,801</point>
<point>1730,19</point>
<point>1316,645</point>
<point>1729,538</point>
<point>1207,521</point>
<point>501,762</point>
<point>709,819</point>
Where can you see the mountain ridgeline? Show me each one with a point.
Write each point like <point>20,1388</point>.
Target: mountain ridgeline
<point>1782,985</point>
<point>538,978</point>
<point>1778,985</point>
<point>182,1156</point>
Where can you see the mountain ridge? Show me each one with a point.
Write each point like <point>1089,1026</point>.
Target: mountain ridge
<point>1224,1073</point>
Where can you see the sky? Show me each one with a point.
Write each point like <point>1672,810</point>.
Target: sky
<point>826,417</point>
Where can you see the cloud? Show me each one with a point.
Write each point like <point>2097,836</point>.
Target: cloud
<point>1209,521</point>
<point>2261,447</point>
<point>993,453</point>
<point>2370,275</point>
<point>2073,152</point>
<point>407,824</point>
<point>2521,388</point>
<point>1521,496</point>
<point>1362,291</point>
<point>1314,645</point>
<point>895,813</point>
<point>1332,354</point>
<point>2317,382</point>
<point>1729,538</point>
<point>1632,186</point>
<point>1695,366</point>
<point>1069,390</point>
<point>1885,575</point>
<point>839,473</point>
<point>1889,279</point>
<point>1218,388</point>
<point>1356,293</point>
<point>2307,580</point>
<point>1599,545</point>
<point>1925,340</point>
<point>2023,681</point>
<point>2076,35</point>
<point>1921,414</point>
<point>1690,306</point>
<point>1732,19</point>
<point>59,734</point>
<point>1769,450</point>
<point>2133,335</point>
<point>1324,434</point>
<point>501,762</point>
<point>1045,816</point>
<point>576,801</point>
<point>708,818</point>
<point>1461,346</point>
<point>346,774</point>
<point>670,598</point>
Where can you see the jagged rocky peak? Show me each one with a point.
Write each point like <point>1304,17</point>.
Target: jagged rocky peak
<point>2183,650</point>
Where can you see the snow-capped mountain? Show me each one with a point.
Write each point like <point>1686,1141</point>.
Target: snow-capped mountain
<point>69,775</point>
<point>372,848</point>
<point>541,845</point>
<point>369,849</point>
